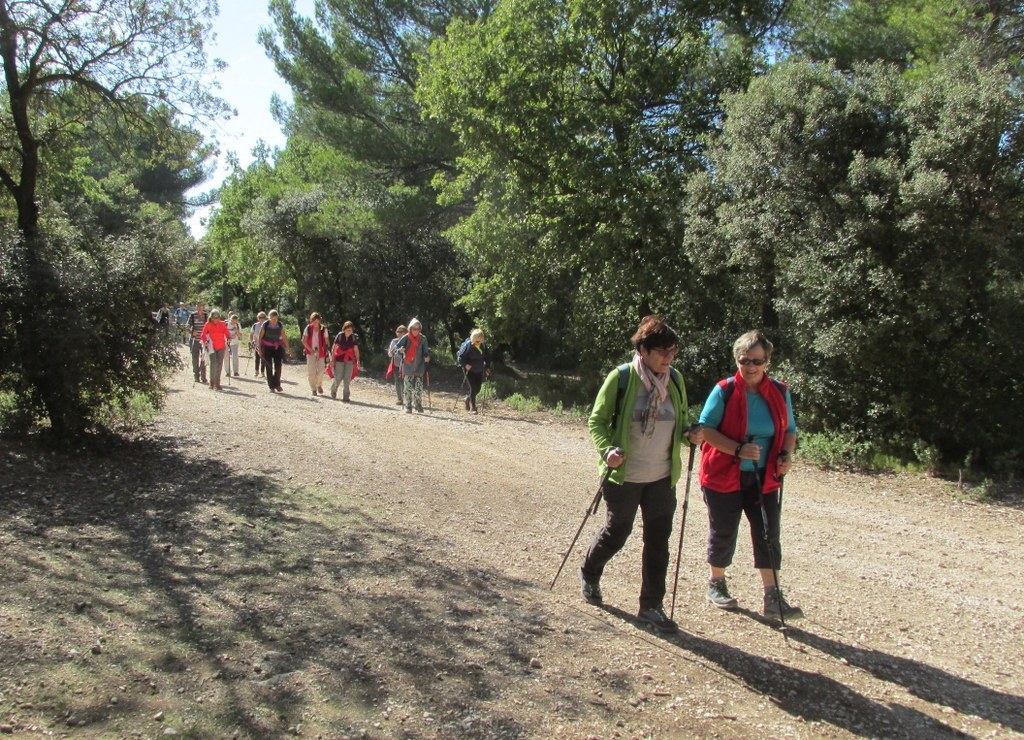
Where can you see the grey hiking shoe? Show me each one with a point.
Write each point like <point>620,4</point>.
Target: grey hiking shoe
<point>591,590</point>
<point>657,618</point>
<point>718,594</point>
<point>775,604</point>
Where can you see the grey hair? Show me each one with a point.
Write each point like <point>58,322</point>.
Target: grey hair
<point>748,341</point>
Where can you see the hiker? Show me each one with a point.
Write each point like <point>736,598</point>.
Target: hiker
<point>345,359</point>
<point>314,346</point>
<point>195,323</point>
<point>637,424</point>
<point>414,350</point>
<point>474,357</point>
<point>235,327</point>
<point>750,434</point>
<point>216,336</point>
<point>394,366</point>
<point>272,343</point>
<point>180,319</point>
<point>254,336</point>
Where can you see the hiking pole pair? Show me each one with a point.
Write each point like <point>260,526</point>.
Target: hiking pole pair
<point>592,508</point>
<point>682,525</point>
<point>772,559</point>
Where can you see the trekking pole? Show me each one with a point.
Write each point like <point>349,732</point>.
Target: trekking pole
<point>682,525</point>
<point>430,406</point>
<point>592,508</point>
<point>768,543</point>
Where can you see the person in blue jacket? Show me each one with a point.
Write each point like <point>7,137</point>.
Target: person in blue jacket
<point>474,357</point>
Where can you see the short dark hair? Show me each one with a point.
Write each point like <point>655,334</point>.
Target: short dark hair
<point>654,333</point>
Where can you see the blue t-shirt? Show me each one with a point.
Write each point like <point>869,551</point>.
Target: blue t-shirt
<point>759,421</point>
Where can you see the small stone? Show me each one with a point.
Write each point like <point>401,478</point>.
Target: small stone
<point>7,729</point>
<point>158,717</point>
<point>535,663</point>
<point>96,649</point>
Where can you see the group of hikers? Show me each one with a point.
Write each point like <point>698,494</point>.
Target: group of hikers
<point>746,431</point>
<point>409,352</point>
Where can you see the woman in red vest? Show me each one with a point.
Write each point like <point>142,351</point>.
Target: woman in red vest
<point>749,438</point>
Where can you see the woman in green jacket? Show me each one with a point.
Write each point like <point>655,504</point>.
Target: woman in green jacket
<point>637,424</point>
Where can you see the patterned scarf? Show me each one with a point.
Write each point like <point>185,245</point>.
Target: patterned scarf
<point>657,390</point>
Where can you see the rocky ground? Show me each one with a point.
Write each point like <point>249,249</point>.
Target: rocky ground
<point>259,565</point>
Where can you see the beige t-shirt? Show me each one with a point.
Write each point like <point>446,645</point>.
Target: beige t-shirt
<point>650,458</point>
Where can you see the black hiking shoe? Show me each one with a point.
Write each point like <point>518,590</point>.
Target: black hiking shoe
<point>776,604</point>
<point>718,594</point>
<point>657,618</point>
<point>591,590</point>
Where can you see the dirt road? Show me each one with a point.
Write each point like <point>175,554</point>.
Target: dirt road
<point>265,564</point>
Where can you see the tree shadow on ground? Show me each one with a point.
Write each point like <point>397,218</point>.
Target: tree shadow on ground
<point>277,608</point>
<point>927,682</point>
<point>808,695</point>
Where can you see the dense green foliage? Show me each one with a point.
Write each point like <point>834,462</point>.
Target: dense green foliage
<point>94,163</point>
<point>844,175</point>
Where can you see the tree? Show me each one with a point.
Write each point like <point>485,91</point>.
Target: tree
<point>580,124</point>
<point>873,223</point>
<point>68,68</point>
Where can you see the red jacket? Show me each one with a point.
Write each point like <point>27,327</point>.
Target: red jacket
<point>218,333</point>
<point>720,471</point>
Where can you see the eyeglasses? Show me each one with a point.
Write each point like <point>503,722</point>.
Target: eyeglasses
<point>669,352</point>
<point>750,361</point>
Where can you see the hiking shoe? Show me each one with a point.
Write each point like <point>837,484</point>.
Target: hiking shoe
<point>657,618</point>
<point>408,409</point>
<point>591,590</point>
<point>775,604</point>
<point>718,594</point>
<point>466,402</point>
<point>419,409</point>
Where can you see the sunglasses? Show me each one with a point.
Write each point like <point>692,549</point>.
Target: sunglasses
<point>756,363</point>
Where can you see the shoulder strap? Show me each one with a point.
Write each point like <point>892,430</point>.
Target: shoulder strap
<point>620,392</point>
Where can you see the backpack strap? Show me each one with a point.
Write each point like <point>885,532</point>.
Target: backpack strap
<point>620,392</point>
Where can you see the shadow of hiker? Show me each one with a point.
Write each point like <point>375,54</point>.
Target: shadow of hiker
<point>810,696</point>
<point>927,682</point>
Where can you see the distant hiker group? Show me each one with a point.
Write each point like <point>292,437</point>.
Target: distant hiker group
<point>212,340</point>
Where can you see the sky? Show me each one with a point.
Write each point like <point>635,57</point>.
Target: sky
<point>247,84</point>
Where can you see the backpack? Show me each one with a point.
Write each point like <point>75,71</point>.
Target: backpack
<point>677,381</point>
<point>730,386</point>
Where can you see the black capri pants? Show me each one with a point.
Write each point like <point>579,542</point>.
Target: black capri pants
<point>724,511</point>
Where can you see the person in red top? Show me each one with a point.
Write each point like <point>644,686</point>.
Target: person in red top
<point>314,346</point>
<point>749,437</point>
<point>215,338</point>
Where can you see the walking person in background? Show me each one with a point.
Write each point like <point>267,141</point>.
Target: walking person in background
<point>180,321</point>
<point>254,336</point>
<point>750,434</point>
<point>314,346</point>
<point>637,425</point>
<point>196,323</point>
<point>414,350</point>
<point>345,356</point>
<point>273,343</point>
<point>216,336</point>
<point>235,327</point>
<point>474,357</point>
<point>395,368</point>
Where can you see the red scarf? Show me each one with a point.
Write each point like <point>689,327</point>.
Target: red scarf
<point>410,350</point>
<point>720,471</point>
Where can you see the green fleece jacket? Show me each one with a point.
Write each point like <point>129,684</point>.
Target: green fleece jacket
<point>601,418</point>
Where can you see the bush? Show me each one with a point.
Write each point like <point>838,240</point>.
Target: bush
<point>519,402</point>
<point>835,450</point>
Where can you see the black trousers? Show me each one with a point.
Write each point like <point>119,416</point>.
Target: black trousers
<point>724,512</point>
<point>657,504</point>
<point>273,358</point>
<point>476,380</point>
